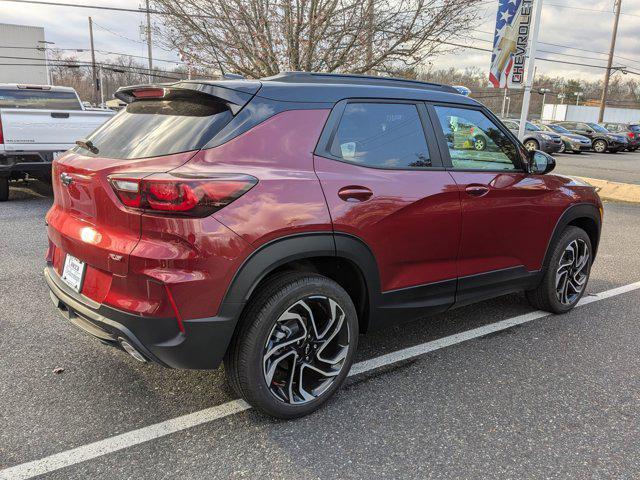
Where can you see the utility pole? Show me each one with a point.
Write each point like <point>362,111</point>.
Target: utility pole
<point>93,64</point>
<point>369,20</point>
<point>607,73</point>
<point>149,45</point>
<point>531,58</point>
<point>544,92</point>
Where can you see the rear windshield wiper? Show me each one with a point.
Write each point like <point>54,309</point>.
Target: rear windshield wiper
<point>87,145</point>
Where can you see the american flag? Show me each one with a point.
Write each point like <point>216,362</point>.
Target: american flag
<point>504,42</point>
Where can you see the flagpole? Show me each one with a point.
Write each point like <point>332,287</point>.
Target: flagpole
<point>530,69</point>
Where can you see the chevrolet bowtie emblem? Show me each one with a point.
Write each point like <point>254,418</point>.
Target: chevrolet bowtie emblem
<point>66,179</point>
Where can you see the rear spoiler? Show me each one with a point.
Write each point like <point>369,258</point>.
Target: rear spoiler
<point>233,93</point>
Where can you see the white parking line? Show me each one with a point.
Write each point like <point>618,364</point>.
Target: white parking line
<point>157,430</point>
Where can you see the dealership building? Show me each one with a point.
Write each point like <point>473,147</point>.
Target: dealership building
<point>23,56</point>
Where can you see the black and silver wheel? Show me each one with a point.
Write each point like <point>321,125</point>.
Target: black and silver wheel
<point>599,146</point>
<point>566,274</point>
<point>563,147</point>
<point>295,345</point>
<point>479,143</point>
<point>531,145</point>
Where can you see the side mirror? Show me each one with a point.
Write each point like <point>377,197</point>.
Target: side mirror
<point>540,162</point>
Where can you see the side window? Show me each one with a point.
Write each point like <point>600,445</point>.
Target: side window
<point>383,135</point>
<point>475,142</point>
<point>569,125</point>
<point>583,127</point>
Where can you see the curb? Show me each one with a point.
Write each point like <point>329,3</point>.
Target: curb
<point>615,191</point>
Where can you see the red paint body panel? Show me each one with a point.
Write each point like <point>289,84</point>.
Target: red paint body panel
<point>511,224</point>
<point>411,223</point>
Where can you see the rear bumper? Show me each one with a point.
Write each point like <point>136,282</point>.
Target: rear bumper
<point>25,162</point>
<point>201,346</point>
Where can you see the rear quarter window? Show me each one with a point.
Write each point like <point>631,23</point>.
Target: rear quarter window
<point>39,99</point>
<point>152,128</point>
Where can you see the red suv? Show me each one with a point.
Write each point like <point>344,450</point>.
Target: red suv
<point>269,223</point>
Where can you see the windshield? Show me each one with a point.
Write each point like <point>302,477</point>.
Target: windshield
<point>598,128</point>
<point>558,129</point>
<point>151,128</point>
<point>532,128</point>
<point>39,99</point>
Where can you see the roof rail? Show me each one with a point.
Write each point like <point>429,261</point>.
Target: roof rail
<point>352,79</point>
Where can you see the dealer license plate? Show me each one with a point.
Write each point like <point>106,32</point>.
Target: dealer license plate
<point>73,272</point>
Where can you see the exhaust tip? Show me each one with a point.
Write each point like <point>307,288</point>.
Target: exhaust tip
<point>130,349</point>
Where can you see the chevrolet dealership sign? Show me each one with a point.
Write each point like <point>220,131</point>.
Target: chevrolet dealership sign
<point>513,24</point>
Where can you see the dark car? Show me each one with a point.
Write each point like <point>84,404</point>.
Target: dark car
<point>631,130</point>
<point>268,223</point>
<point>570,141</point>
<point>535,138</point>
<point>602,140</point>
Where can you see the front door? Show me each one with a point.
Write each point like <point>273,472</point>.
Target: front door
<point>384,183</point>
<point>508,215</point>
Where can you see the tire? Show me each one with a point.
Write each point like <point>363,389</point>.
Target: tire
<point>546,296</point>
<point>531,145</point>
<point>479,143</point>
<point>4,189</point>
<point>268,377</point>
<point>563,148</point>
<point>599,146</point>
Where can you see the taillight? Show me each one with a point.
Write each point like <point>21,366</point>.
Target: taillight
<point>631,135</point>
<point>180,194</point>
<point>1,135</point>
<point>150,93</point>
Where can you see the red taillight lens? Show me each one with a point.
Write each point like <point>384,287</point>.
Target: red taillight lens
<point>631,135</point>
<point>191,195</point>
<point>1,135</point>
<point>149,93</point>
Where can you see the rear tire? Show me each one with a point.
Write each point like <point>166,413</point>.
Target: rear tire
<point>295,345</point>
<point>4,189</point>
<point>566,275</point>
<point>563,148</point>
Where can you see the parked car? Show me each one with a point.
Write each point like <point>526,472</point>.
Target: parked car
<point>268,223</point>
<point>535,138</point>
<point>570,141</point>
<point>37,124</point>
<point>602,140</point>
<point>631,130</point>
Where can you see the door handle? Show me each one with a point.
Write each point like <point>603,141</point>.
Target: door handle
<point>355,193</point>
<point>477,190</point>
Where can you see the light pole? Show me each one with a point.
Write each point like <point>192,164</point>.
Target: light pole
<point>43,47</point>
<point>544,92</point>
<point>577,94</point>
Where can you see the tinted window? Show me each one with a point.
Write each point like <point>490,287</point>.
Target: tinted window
<point>570,125</point>
<point>39,99</point>
<point>385,135</point>
<point>598,128</point>
<point>634,128</point>
<point>558,129</point>
<point>475,142</point>
<point>151,128</point>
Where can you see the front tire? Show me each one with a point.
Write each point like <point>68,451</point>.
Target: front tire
<point>295,345</point>
<point>566,275</point>
<point>599,146</point>
<point>531,145</point>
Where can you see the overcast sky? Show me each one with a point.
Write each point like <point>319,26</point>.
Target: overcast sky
<point>573,27</point>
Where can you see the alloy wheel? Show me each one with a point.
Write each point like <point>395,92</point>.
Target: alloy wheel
<point>572,272</point>
<point>599,146</point>
<point>531,145</point>
<point>479,143</point>
<point>306,350</point>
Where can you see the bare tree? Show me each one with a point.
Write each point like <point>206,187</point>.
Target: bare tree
<point>258,38</point>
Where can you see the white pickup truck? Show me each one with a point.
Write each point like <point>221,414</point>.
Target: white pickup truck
<point>38,123</point>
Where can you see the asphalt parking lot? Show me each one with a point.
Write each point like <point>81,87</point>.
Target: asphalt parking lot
<point>551,397</point>
<point>616,167</point>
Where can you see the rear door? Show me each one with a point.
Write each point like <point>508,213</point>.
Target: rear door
<point>507,214</point>
<point>385,184</point>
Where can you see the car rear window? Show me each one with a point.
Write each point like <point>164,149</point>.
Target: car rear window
<point>39,100</point>
<point>152,128</point>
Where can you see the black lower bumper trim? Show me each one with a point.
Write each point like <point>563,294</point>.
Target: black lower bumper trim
<point>201,346</point>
